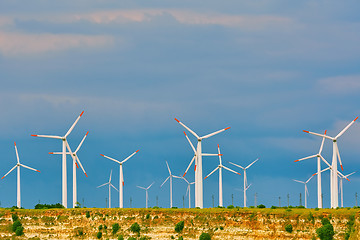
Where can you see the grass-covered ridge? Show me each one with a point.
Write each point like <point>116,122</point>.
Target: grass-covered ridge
<point>159,223</point>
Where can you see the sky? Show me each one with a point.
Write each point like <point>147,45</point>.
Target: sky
<point>267,69</point>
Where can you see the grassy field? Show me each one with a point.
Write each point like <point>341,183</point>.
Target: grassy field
<point>159,223</point>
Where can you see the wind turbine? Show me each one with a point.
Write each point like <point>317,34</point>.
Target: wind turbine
<point>335,157</point>
<point>319,157</point>
<point>65,145</point>
<point>146,189</point>
<point>246,186</point>
<point>169,177</point>
<point>341,187</point>
<point>306,190</point>
<point>110,185</point>
<point>121,183</point>
<point>188,189</point>
<point>75,160</point>
<point>198,171</point>
<point>220,167</point>
<point>18,164</point>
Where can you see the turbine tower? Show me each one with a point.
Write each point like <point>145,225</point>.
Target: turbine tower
<point>65,145</point>
<point>75,165</point>
<point>198,171</point>
<point>121,182</point>
<point>220,167</point>
<point>335,157</point>
<point>306,190</point>
<point>341,187</point>
<point>246,186</point>
<point>170,179</point>
<point>319,157</point>
<point>147,195</point>
<point>18,164</point>
<point>110,186</point>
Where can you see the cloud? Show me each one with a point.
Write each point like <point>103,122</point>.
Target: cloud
<point>14,44</point>
<point>5,21</point>
<point>249,22</point>
<point>340,84</point>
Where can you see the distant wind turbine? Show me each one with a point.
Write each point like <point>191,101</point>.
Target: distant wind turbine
<point>146,190</point>
<point>18,164</point>
<point>110,186</point>
<point>170,179</point>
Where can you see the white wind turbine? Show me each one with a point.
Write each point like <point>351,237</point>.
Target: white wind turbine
<point>170,179</point>
<point>188,189</point>
<point>220,167</point>
<point>341,187</point>
<point>306,190</point>
<point>335,157</point>
<point>75,161</point>
<point>198,171</point>
<point>147,195</point>
<point>65,145</point>
<point>121,182</point>
<point>319,158</point>
<point>246,186</point>
<point>110,186</point>
<point>18,203</point>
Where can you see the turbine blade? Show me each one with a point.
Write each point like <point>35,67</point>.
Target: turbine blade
<point>252,163</point>
<point>71,153</point>
<point>322,143</point>
<point>326,162</point>
<point>141,187</point>
<point>346,128</point>
<point>77,149</point>
<point>320,135</point>
<point>350,174</point>
<point>129,156</point>
<point>305,158</point>
<point>58,153</point>
<point>17,154</point>
<point>47,136</point>
<point>81,166</point>
<point>185,180</point>
<point>113,187</point>
<point>192,160</point>
<point>192,132</point>
<point>231,170</point>
<point>214,133</point>
<point>219,155</point>
<point>298,181</point>
<point>29,168</point>
<point>210,154</point>
<point>150,185</point>
<point>211,172</point>
<point>102,185</point>
<point>110,158</point>
<point>309,178</point>
<point>338,154</point>
<point>192,146</point>
<point>9,171</point>
<point>237,165</point>
<point>248,187</point>
<point>165,181</point>
<point>168,167</point>
<point>110,176</point>
<point>72,127</point>
<point>176,176</point>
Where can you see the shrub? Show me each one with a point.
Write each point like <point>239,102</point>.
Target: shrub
<point>274,207</point>
<point>230,207</point>
<point>205,236</point>
<point>87,214</point>
<point>316,209</point>
<point>105,227</point>
<point>19,231</point>
<point>135,228</point>
<point>99,235</point>
<point>261,206</point>
<point>147,216</point>
<point>120,237</point>
<point>15,225</point>
<point>47,206</point>
<point>115,228</point>
<point>289,228</point>
<point>180,238</point>
<point>221,228</point>
<point>131,238</point>
<point>14,217</point>
<point>179,227</point>
<point>100,227</point>
<point>326,232</point>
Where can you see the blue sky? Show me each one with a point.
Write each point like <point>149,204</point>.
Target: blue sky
<point>267,69</point>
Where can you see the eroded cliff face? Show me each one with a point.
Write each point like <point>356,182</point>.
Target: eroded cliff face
<point>160,223</point>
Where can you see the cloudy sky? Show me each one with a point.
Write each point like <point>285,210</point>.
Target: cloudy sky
<point>267,69</point>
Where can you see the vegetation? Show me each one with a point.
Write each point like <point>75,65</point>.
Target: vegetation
<point>350,226</point>
<point>48,206</point>
<point>115,228</point>
<point>99,235</point>
<point>135,228</point>
<point>205,236</point>
<point>87,214</point>
<point>179,227</point>
<point>120,237</point>
<point>326,232</point>
<point>289,228</point>
<point>261,206</point>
